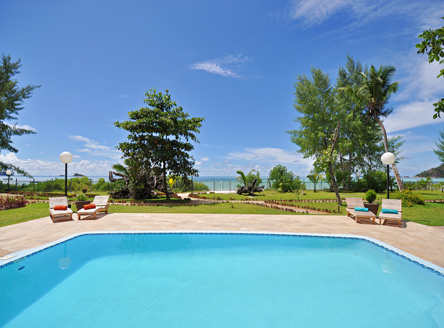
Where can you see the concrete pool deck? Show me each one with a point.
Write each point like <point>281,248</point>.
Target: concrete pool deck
<point>419,240</point>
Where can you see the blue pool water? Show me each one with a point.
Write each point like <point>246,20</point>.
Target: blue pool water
<point>219,280</point>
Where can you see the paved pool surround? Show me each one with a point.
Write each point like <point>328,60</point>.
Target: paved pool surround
<point>419,240</point>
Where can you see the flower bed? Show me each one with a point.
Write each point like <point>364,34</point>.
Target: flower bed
<point>8,203</point>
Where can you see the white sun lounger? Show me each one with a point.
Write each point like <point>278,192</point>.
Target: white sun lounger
<point>101,203</point>
<point>54,201</point>
<point>394,204</point>
<point>358,202</point>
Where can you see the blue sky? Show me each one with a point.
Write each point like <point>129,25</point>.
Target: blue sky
<point>232,62</point>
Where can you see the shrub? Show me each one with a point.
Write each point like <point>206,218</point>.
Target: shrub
<point>377,180</point>
<point>284,180</point>
<point>81,198</point>
<point>370,196</point>
<point>408,198</point>
<point>200,186</point>
<point>12,202</point>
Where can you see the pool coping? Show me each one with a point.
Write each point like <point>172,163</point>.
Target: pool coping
<point>21,255</point>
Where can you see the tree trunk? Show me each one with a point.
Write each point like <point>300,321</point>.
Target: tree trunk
<point>333,184</point>
<point>395,169</point>
<point>164,182</point>
<point>330,165</point>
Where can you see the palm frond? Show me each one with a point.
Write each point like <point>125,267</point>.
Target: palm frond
<point>243,178</point>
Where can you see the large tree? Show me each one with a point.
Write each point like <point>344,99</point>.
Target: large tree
<point>11,100</point>
<point>360,145</point>
<point>433,45</point>
<point>160,134</point>
<point>375,93</point>
<point>315,100</point>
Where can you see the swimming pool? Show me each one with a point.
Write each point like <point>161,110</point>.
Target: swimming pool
<point>220,280</point>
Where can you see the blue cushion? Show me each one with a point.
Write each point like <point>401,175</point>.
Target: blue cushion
<point>361,209</point>
<point>389,211</point>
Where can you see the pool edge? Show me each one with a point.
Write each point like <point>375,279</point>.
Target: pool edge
<point>19,255</point>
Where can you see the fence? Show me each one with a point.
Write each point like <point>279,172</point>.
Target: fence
<point>101,185</point>
<point>231,185</point>
<point>52,185</point>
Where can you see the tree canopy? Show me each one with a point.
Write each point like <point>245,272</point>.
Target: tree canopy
<point>433,45</point>
<point>359,140</point>
<point>283,179</point>
<point>160,135</point>
<point>374,93</point>
<point>11,101</point>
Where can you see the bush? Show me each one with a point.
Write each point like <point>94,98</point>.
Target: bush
<point>408,198</point>
<point>284,180</point>
<point>377,180</point>
<point>199,186</point>
<point>81,198</point>
<point>370,196</point>
<point>12,202</point>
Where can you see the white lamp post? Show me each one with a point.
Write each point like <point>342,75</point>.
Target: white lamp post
<point>66,158</point>
<point>358,174</point>
<point>388,159</point>
<point>8,173</point>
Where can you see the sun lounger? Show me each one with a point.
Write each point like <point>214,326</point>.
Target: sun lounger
<point>358,202</point>
<point>101,203</point>
<point>392,204</point>
<point>59,201</point>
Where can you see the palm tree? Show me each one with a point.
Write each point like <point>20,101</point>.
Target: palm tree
<point>243,177</point>
<point>375,92</point>
<point>131,173</point>
<point>440,151</point>
<point>315,177</point>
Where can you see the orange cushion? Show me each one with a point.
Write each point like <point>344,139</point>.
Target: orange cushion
<point>89,206</point>
<point>60,207</point>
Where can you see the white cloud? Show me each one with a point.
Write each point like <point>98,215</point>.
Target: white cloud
<point>421,81</point>
<point>198,162</point>
<point>360,12</point>
<point>316,11</point>
<point>205,159</point>
<point>26,127</point>
<point>411,115</point>
<point>418,90</point>
<point>41,167</point>
<point>96,149</point>
<point>271,155</point>
<point>227,66</point>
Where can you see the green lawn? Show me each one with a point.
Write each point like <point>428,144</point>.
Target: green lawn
<point>429,214</point>
<point>276,195</point>
<point>310,195</point>
<point>28,213</point>
<point>219,208</point>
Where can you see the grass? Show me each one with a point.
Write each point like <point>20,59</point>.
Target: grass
<point>428,214</point>
<point>310,195</point>
<point>431,214</point>
<point>277,195</point>
<point>23,214</point>
<point>219,208</point>
<point>320,206</point>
